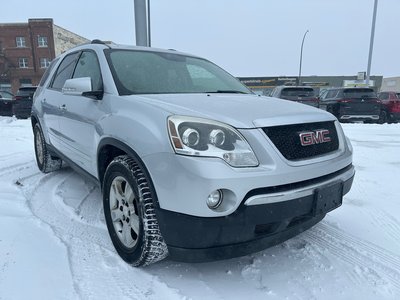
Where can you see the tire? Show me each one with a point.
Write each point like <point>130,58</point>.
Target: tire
<point>382,117</point>
<point>46,163</point>
<point>128,197</point>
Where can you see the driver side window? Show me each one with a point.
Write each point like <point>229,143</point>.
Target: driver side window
<point>64,71</point>
<point>88,66</point>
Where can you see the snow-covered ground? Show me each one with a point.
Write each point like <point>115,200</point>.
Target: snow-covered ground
<point>54,243</point>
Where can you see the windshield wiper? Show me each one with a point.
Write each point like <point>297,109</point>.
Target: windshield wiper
<point>227,92</point>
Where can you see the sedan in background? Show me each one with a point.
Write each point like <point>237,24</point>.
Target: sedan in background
<point>302,94</point>
<point>353,104</point>
<point>23,102</point>
<point>6,102</point>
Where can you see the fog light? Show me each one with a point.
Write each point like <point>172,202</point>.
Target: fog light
<point>215,199</point>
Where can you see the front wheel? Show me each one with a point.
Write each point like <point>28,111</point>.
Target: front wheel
<point>129,212</point>
<point>46,163</point>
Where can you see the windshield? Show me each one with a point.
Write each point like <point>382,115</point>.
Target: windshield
<point>298,92</point>
<point>359,93</point>
<point>145,72</point>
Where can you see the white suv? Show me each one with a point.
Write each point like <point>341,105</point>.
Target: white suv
<point>190,162</point>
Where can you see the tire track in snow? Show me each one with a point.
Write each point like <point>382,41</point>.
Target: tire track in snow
<point>29,188</point>
<point>17,168</point>
<point>368,259</point>
<point>384,220</point>
<point>5,157</point>
<point>95,267</point>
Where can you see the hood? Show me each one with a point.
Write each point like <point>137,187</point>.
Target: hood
<point>237,110</point>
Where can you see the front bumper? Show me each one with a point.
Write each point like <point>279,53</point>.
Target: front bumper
<point>183,183</point>
<point>264,218</point>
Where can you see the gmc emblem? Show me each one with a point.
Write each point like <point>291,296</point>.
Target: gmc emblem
<point>314,137</point>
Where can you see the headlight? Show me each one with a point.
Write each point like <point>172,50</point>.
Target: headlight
<point>201,137</point>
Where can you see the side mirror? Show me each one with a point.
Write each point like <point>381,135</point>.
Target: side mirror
<point>77,86</point>
<point>81,87</point>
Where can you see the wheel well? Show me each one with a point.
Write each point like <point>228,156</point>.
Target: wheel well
<point>33,121</point>
<point>105,155</point>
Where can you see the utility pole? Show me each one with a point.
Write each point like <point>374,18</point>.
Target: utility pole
<point>141,23</point>
<point>371,42</point>
<point>301,57</point>
<point>148,23</point>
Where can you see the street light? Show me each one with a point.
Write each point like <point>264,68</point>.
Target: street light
<point>371,42</point>
<point>301,56</point>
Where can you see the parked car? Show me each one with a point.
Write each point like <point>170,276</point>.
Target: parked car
<point>353,104</point>
<point>6,101</point>
<point>190,162</point>
<point>391,103</point>
<point>23,102</point>
<point>302,94</point>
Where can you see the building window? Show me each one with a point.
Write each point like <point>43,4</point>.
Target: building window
<point>23,63</point>
<point>42,41</point>
<point>44,63</point>
<point>25,82</point>
<point>20,41</point>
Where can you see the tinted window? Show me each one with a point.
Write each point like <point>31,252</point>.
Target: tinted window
<point>331,94</point>
<point>88,66</point>
<point>6,95</point>
<point>145,72</point>
<point>384,96</point>
<point>26,91</point>
<point>298,92</point>
<point>359,93</point>
<point>47,73</point>
<point>64,71</point>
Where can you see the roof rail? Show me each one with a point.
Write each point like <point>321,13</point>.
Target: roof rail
<point>100,42</point>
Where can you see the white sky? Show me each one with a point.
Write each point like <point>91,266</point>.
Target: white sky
<point>246,37</point>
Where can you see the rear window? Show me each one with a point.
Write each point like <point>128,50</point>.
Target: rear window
<point>359,93</point>
<point>26,91</point>
<point>6,95</point>
<point>383,96</point>
<point>298,92</point>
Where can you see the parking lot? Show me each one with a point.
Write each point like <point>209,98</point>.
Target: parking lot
<point>54,240</point>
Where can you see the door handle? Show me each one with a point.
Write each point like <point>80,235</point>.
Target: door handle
<point>62,107</point>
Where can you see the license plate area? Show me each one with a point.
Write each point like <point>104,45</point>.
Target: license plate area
<point>327,198</point>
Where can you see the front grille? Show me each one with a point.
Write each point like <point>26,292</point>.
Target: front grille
<point>287,139</point>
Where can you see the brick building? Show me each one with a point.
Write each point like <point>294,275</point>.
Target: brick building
<point>26,50</point>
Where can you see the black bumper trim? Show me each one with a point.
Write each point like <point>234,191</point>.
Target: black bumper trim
<point>241,249</point>
<point>249,229</point>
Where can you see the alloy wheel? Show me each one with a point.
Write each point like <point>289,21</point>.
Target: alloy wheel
<point>124,212</point>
